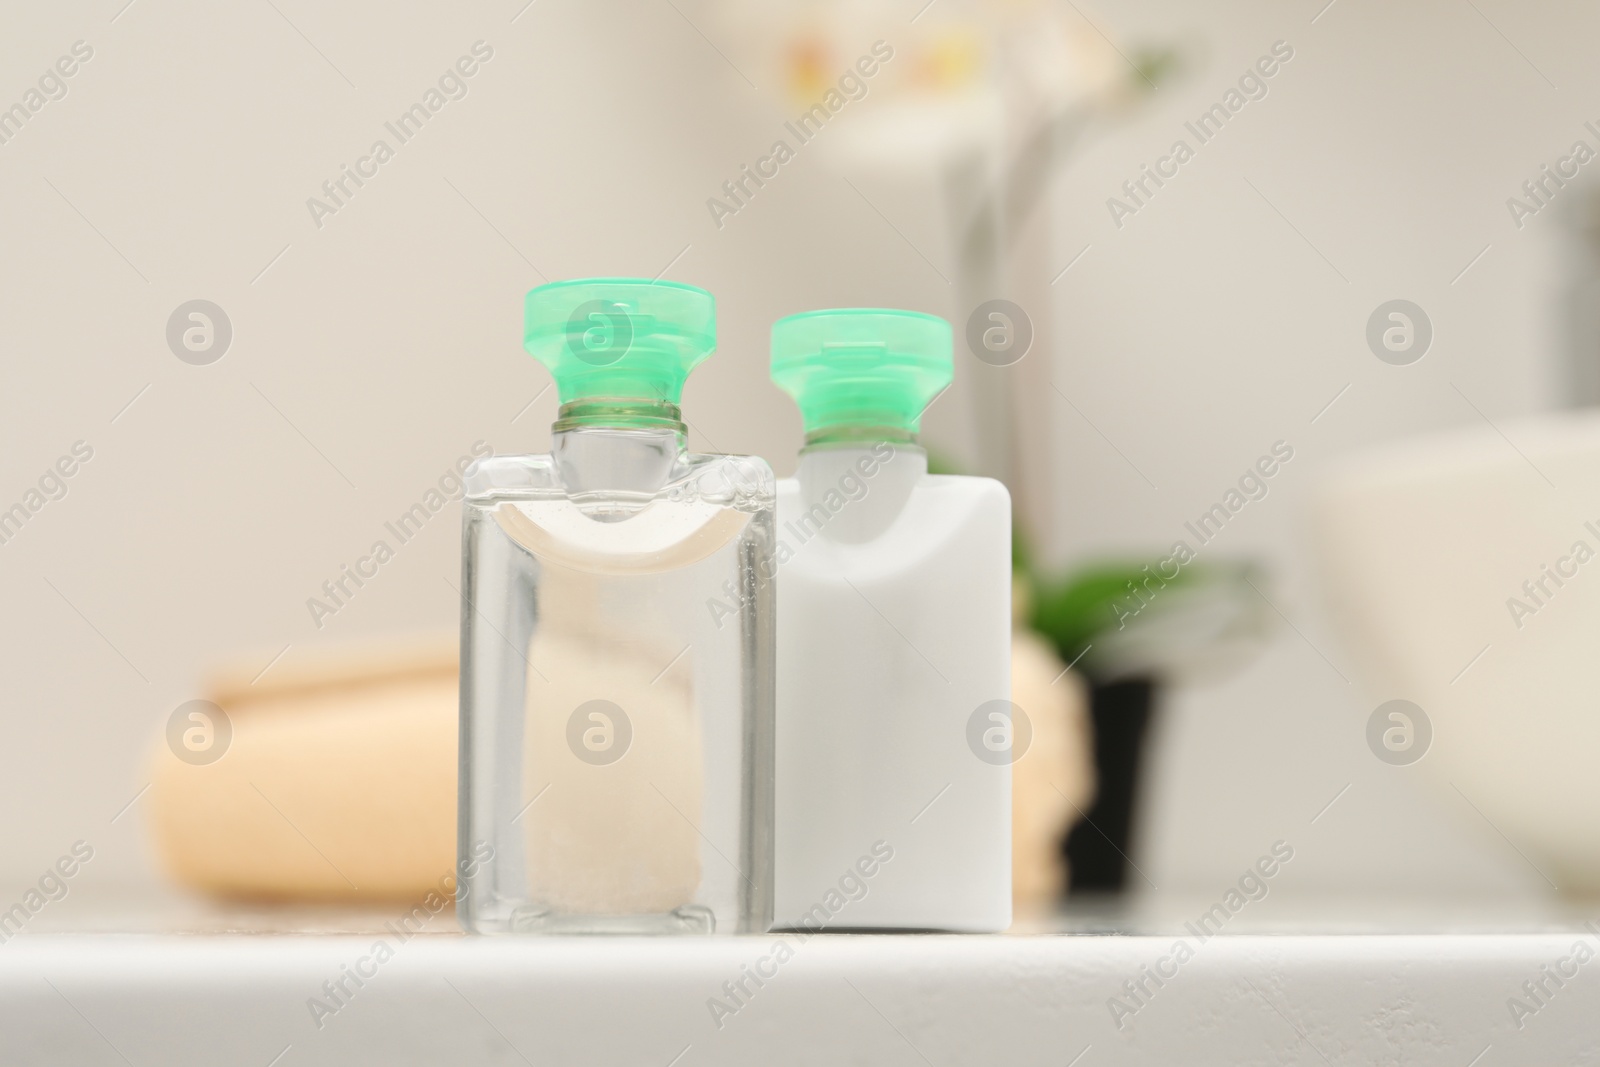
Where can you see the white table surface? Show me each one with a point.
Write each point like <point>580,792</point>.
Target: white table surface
<point>232,987</point>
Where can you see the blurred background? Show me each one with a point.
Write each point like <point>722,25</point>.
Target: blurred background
<point>1214,316</point>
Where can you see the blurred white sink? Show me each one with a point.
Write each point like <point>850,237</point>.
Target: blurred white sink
<point>1424,549</point>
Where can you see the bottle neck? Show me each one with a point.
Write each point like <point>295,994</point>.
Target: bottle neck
<point>608,413</point>
<point>858,490</point>
<point>858,435</point>
<point>618,449</point>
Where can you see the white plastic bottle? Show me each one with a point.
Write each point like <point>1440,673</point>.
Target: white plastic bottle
<point>894,722</point>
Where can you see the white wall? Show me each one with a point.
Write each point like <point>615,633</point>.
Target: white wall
<point>1194,337</point>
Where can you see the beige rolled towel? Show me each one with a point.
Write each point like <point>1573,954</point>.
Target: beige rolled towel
<point>339,781</point>
<point>1053,781</point>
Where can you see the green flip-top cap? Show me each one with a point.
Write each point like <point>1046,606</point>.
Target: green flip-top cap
<point>619,338</point>
<point>862,367</point>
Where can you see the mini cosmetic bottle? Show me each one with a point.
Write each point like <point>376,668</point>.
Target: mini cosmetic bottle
<point>617,643</point>
<point>894,723</point>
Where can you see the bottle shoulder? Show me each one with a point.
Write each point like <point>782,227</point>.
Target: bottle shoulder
<point>934,514</point>
<point>751,470</point>
<point>741,481</point>
<point>986,492</point>
<point>969,485</point>
<point>508,474</point>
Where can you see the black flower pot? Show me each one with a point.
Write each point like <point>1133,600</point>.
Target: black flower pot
<point>1097,848</point>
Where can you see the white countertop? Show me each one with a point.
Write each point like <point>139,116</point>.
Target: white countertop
<point>93,996</point>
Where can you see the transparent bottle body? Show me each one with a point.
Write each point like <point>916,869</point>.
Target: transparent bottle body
<point>617,690</point>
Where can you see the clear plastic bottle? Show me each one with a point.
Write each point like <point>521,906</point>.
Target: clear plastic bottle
<point>894,724</point>
<point>617,643</point>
